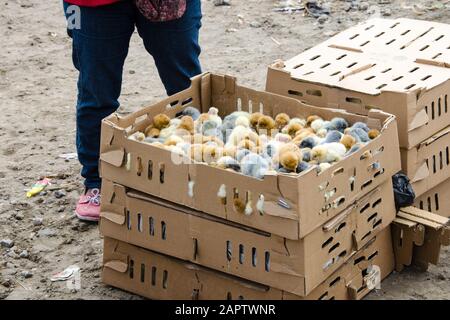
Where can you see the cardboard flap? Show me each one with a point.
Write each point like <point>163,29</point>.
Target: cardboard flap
<point>113,157</point>
<point>331,224</point>
<point>419,120</point>
<point>117,265</point>
<point>432,217</point>
<point>113,202</point>
<point>435,63</point>
<point>421,173</point>
<point>282,264</point>
<point>352,291</point>
<point>436,136</point>
<point>113,217</point>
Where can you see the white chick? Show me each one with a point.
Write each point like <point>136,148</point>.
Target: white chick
<point>242,121</point>
<point>328,152</point>
<point>214,116</point>
<point>317,124</point>
<point>254,165</point>
<point>301,122</point>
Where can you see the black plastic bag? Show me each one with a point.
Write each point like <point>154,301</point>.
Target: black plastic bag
<point>403,192</point>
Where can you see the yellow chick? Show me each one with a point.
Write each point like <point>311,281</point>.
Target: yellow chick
<point>348,141</point>
<point>151,131</point>
<point>161,121</point>
<point>281,120</point>
<point>187,123</point>
<point>373,133</point>
<point>254,118</point>
<point>265,125</point>
<point>311,119</point>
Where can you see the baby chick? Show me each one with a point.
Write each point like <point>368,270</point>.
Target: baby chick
<point>194,113</point>
<point>339,124</point>
<point>138,136</point>
<point>317,124</point>
<point>290,160</point>
<point>211,153</point>
<point>281,120</point>
<point>247,144</point>
<point>241,153</point>
<point>196,152</point>
<point>311,119</point>
<point>299,121</point>
<point>328,152</point>
<point>161,121</point>
<point>228,162</point>
<point>322,167</point>
<point>306,154</point>
<point>230,151</point>
<point>354,148</point>
<point>333,136</point>
<point>361,125</point>
<point>254,165</point>
<point>309,142</point>
<point>359,134</point>
<point>302,166</point>
<point>187,124</point>
<point>373,133</point>
<point>242,121</point>
<point>254,118</point>
<point>348,141</point>
<point>214,116</point>
<point>265,125</point>
<point>173,140</point>
<point>281,137</point>
<point>293,128</point>
<point>151,131</point>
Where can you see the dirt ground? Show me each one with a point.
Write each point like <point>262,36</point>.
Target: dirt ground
<point>37,95</point>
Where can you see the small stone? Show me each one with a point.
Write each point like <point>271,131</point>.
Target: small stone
<point>6,283</point>
<point>255,24</point>
<point>222,3</point>
<point>24,254</point>
<point>322,19</point>
<point>131,72</point>
<point>18,216</point>
<point>7,243</point>
<point>26,274</point>
<point>386,12</point>
<point>440,276</point>
<point>47,233</point>
<point>37,221</point>
<point>363,6</point>
<point>59,194</point>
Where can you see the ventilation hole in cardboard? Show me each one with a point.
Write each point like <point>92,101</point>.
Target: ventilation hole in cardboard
<point>369,78</point>
<point>254,257</point>
<point>439,107</point>
<point>298,66</point>
<point>336,280</point>
<point>410,86</point>
<point>358,260</point>
<point>354,36</point>
<point>424,48</point>
<point>373,216</point>
<point>352,183</point>
<point>352,64</point>
<point>379,150</point>
<point>366,184</point>
<point>366,235</point>
<point>434,164</point>
<point>436,56</point>
<point>323,296</point>
<point>315,57</point>
<point>325,65</point>
<point>394,25</point>
<point>142,272</point>
<point>334,247</point>
<point>186,101</point>
<point>353,100</point>
<point>369,27</point>
<point>341,57</point>
<point>131,271</point>
<point>445,104</point>
<point>426,110</point>
<point>397,78</point>
<point>377,203</point>
<point>139,222</point>
<point>327,242</point>
<point>406,32</point>
<point>128,220</point>
<point>308,73</point>
<point>339,201</point>
<point>342,254</point>
<point>379,35</point>
<point>241,298</point>
<point>165,279</point>
<point>421,205</point>
<point>335,73</point>
<point>138,166</point>
<point>432,110</point>
<point>150,170</point>
<point>439,38</point>
<point>426,77</point>
<point>390,41</point>
<point>295,93</point>
<point>436,201</point>
<point>364,43</point>
<point>380,172</point>
<point>413,69</point>
<point>340,227</point>
<point>373,255</point>
<point>429,204</point>
<point>447,156</point>
<point>229,296</point>
<point>163,230</point>
<point>337,171</point>
<point>366,206</point>
<point>376,224</point>
<point>381,86</point>
<point>316,93</point>
<point>151,224</point>
<point>153,276</point>
<point>241,254</point>
<point>228,250</point>
<point>267,261</point>
<point>386,70</point>
<point>235,193</point>
<point>441,163</point>
<point>161,172</point>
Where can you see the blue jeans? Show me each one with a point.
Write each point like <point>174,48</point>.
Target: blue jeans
<point>99,49</point>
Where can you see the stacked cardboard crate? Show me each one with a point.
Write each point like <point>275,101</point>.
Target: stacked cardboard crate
<point>172,230</point>
<point>399,66</point>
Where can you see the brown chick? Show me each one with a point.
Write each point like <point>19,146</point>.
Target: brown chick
<point>281,120</point>
<point>151,131</point>
<point>293,128</point>
<point>289,160</point>
<point>211,153</point>
<point>310,119</point>
<point>254,118</point>
<point>161,121</point>
<point>348,141</point>
<point>302,134</point>
<point>373,133</point>
<point>247,144</point>
<point>187,123</point>
<point>265,125</point>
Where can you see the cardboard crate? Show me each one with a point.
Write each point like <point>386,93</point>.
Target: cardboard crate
<point>428,164</point>
<point>158,276</point>
<point>399,66</point>
<point>293,205</point>
<point>295,266</point>
<point>436,200</point>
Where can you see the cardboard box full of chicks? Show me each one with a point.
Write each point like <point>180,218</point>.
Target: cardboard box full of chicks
<point>255,158</point>
<point>158,276</point>
<point>295,266</point>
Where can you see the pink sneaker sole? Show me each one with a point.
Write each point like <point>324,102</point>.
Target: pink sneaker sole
<point>87,218</point>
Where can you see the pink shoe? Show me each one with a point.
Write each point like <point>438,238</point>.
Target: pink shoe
<point>88,207</point>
